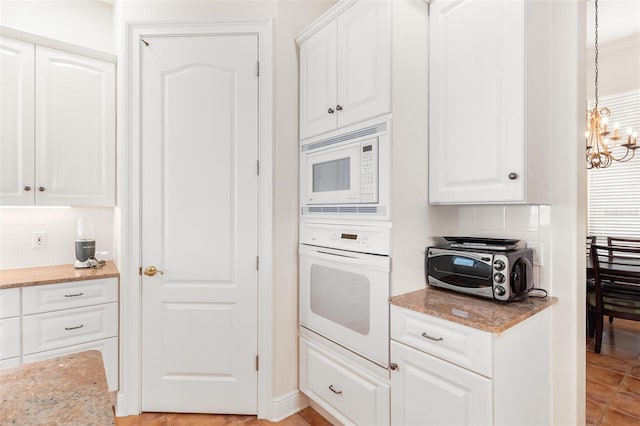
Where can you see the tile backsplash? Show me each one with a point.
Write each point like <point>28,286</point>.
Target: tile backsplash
<point>531,223</point>
<point>17,226</point>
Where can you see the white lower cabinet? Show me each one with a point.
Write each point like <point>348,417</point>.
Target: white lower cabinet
<point>352,389</point>
<point>9,327</point>
<point>47,321</point>
<point>444,373</point>
<point>426,390</point>
<point>9,338</point>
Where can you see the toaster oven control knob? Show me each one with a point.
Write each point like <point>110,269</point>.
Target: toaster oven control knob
<point>498,265</point>
<point>499,290</point>
<point>499,278</point>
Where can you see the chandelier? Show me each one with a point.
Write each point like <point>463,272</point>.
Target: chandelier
<point>599,140</point>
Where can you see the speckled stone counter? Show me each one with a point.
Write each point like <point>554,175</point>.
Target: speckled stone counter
<point>24,277</point>
<point>476,312</point>
<point>69,390</point>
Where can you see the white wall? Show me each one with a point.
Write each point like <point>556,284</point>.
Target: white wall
<point>17,226</point>
<point>414,221</point>
<point>618,66</point>
<point>86,23</point>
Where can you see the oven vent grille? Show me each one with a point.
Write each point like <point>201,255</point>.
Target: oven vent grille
<point>371,130</point>
<point>373,210</point>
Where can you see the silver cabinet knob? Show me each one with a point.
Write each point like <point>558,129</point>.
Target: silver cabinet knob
<point>513,176</point>
<point>338,108</point>
<point>330,111</point>
<point>41,188</point>
<point>27,188</point>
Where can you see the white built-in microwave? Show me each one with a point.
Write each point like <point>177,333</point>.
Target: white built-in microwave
<point>347,173</point>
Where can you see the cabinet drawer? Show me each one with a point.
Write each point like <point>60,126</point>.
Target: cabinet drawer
<point>458,344</point>
<point>108,348</point>
<point>347,392</point>
<point>53,297</point>
<point>9,338</point>
<point>9,302</point>
<point>53,330</point>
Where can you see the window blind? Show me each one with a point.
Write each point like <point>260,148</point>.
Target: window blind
<point>614,192</point>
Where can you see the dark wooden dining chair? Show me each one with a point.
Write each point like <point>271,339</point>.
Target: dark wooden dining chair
<point>623,242</point>
<point>616,272</point>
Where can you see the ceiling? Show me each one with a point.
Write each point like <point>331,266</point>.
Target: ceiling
<point>617,19</point>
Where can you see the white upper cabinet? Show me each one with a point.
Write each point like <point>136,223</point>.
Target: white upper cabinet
<point>75,128</point>
<point>345,67</point>
<point>489,102</point>
<point>17,133</point>
<point>68,102</point>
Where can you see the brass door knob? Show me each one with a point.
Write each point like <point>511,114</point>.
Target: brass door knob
<point>151,271</point>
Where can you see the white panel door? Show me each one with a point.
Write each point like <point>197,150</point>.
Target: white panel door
<point>75,128</point>
<point>199,223</point>
<point>364,62</point>
<point>426,390</point>
<point>318,82</point>
<point>17,110</point>
<point>476,101</point>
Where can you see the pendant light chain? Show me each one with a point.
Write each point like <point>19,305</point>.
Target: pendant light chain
<point>596,51</point>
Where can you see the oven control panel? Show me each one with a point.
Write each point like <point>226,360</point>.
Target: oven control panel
<point>367,239</point>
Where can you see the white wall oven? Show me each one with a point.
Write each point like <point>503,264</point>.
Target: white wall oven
<point>343,292</point>
<point>346,175</point>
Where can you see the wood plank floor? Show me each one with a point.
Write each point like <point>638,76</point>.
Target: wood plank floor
<point>613,376</point>
<point>306,417</point>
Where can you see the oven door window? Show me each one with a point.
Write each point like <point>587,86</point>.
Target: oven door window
<point>461,271</point>
<point>342,297</point>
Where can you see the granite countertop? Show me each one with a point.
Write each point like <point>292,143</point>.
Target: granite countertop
<point>69,390</point>
<point>23,277</point>
<point>483,314</point>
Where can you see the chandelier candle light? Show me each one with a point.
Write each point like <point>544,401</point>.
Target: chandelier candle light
<point>599,140</point>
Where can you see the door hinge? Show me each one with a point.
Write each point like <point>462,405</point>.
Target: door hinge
<point>257,363</point>
<point>140,271</point>
<point>257,263</point>
<point>258,167</point>
<point>258,69</point>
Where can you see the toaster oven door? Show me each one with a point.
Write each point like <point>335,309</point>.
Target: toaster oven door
<point>463,271</point>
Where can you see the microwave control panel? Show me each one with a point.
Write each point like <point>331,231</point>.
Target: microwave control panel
<point>369,171</point>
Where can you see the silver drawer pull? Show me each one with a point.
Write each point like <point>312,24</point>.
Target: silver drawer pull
<point>74,328</point>
<point>74,295</point>
<point>334,391</point>
<point>435,339</point>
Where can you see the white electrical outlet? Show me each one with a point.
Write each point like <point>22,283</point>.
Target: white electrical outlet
<point>39,239</point>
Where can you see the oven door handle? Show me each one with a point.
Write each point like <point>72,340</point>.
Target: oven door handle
<point>374,261</point>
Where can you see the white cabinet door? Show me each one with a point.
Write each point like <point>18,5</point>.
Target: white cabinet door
<point>364,62</point>
<point>318,82</point>
<point>9,338</point>
<point>75,127</point>
<point>345,69</point>
<point>426,390</point>
<point>477,102</point>
<point>16,122</point>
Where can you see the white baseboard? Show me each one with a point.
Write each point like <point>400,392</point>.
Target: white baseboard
<point>287,405</point>
<point>121,406</point>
